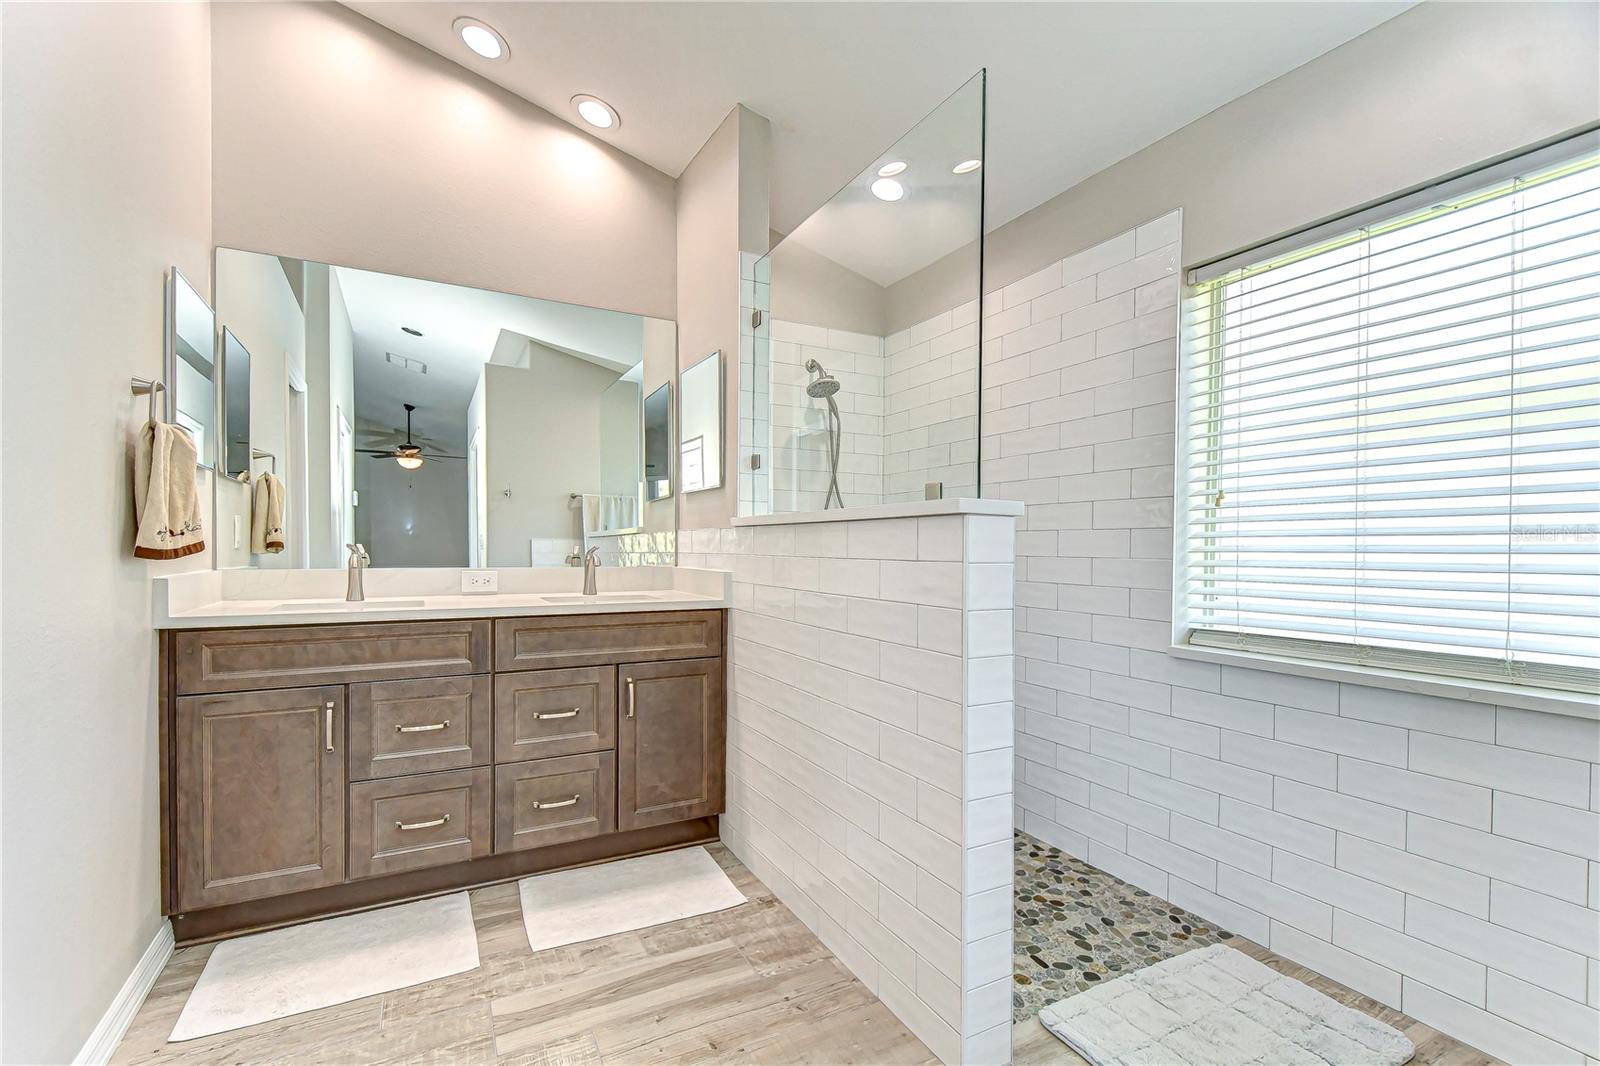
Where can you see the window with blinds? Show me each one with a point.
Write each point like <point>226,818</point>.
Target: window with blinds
<point>1390,437</point>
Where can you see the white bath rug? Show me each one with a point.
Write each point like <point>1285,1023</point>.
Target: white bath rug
<point>571,906</point>
<point>306,967</point>
<point>1217,1005</point>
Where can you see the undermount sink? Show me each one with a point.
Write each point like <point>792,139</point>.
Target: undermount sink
<point>347,605</point>
<point>604,597</point>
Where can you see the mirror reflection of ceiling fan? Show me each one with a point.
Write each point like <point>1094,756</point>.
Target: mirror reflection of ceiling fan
<point>408,454</point>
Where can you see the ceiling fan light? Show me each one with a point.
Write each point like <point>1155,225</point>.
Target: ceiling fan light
<point>409,462</point>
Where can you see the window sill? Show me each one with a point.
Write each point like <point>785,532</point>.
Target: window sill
<point>1551,701</point>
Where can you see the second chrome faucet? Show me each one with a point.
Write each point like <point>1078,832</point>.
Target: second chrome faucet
<point>591,563</point>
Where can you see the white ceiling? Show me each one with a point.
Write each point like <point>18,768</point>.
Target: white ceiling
<point>459,329</point>
<point>1073,87</point>
<point>939,212</point>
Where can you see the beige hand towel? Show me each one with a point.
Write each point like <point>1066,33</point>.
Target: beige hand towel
<point>166,501</point>
<point>266,516</point>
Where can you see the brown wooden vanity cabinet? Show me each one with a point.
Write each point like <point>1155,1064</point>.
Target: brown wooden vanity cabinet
<point>259,794</point>
<point>310,770</point>
<point>670,741</point>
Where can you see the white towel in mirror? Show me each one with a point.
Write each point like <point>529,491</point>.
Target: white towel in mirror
<point>266,515</point>
<point>607,512</point>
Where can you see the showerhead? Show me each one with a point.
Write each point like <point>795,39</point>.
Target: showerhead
<point>824,384</point>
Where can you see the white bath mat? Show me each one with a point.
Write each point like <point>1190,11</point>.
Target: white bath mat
<point>1218,1005</point>
<point>571,906</point>
<point>306,967</point>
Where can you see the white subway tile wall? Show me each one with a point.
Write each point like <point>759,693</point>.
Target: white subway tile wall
<point>870,751</point>
<point>930,405</point>
<point>908,405</point>
<point>800,461</point>
<point>1438,855</point>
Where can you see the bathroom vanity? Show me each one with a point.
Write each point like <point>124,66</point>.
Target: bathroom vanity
<point>314,769</point>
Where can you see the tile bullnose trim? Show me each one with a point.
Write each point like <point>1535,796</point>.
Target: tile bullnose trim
<point>916,509</point>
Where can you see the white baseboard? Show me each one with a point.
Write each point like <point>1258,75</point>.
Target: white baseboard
<point>97,1050</point>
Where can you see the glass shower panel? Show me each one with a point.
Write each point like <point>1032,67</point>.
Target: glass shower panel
<point>860,376</point>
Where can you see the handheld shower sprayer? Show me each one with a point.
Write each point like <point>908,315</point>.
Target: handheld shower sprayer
<point>824,386</point>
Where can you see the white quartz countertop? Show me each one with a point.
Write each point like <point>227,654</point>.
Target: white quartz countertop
<point>236,598</point>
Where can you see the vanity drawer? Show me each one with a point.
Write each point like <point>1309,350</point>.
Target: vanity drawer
<point>552,801</point>
<point>593,640</point>
<point>405,823</point>
<point>234,660</point>
<point>541,713</point>
<point>414,727</point>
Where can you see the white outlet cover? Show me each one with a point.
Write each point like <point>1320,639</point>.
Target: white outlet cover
<point>480,580</point>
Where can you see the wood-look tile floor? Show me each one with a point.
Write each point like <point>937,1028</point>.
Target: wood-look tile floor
<point>748,985</point>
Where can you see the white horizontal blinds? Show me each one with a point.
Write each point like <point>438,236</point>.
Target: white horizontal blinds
<point>1393,441</point>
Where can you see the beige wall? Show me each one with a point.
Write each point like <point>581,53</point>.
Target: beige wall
<point>105,167</point>
<point>330,394</point>
<point>722,210</point>
<point>1438,89</point>
<point>809,287</point>
<point>549,410</point>
<point>339,141</point>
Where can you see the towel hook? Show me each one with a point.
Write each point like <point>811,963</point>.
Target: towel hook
<point>151,386</point>
<point>260,453</point>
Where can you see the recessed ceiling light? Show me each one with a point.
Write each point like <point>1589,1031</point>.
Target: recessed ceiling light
<point>413,332</point>
<point>888,189</point>
<point>966,166</point>
<point>596,112</point>
<point>889,170</point>
<point>482,38</point>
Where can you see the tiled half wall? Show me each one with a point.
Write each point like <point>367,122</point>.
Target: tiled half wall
<point>869,752</point>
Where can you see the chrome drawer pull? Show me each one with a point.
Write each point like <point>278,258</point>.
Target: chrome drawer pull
<point>630,697</point>
<point>561,803</point>
<point>423,825</point>
<point>434,728</point>
<point>327,729</point>
<point>559,714</point>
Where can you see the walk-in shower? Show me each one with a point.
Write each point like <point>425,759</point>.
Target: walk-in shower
<point>823,387</point>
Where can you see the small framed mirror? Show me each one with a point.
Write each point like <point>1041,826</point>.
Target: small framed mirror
<point>235,407</point>
<point>700,416</point>
<point>658,443</point>
<point>192,364</point>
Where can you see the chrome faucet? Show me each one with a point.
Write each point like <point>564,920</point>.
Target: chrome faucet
<point>591,563</point>
<point>359,560</point>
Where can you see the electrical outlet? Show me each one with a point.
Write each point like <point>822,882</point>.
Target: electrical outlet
<point>238,531</point>
<point>480,580</point>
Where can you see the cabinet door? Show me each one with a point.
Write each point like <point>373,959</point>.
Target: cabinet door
<point>260,794</point>
<point>670,740</point>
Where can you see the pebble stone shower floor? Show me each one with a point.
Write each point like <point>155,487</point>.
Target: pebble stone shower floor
<point>1077,926</point>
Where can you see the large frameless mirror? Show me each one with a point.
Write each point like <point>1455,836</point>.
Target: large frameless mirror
<point>438,425</point>
<point>192,364</point>
<point>860,384</point>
